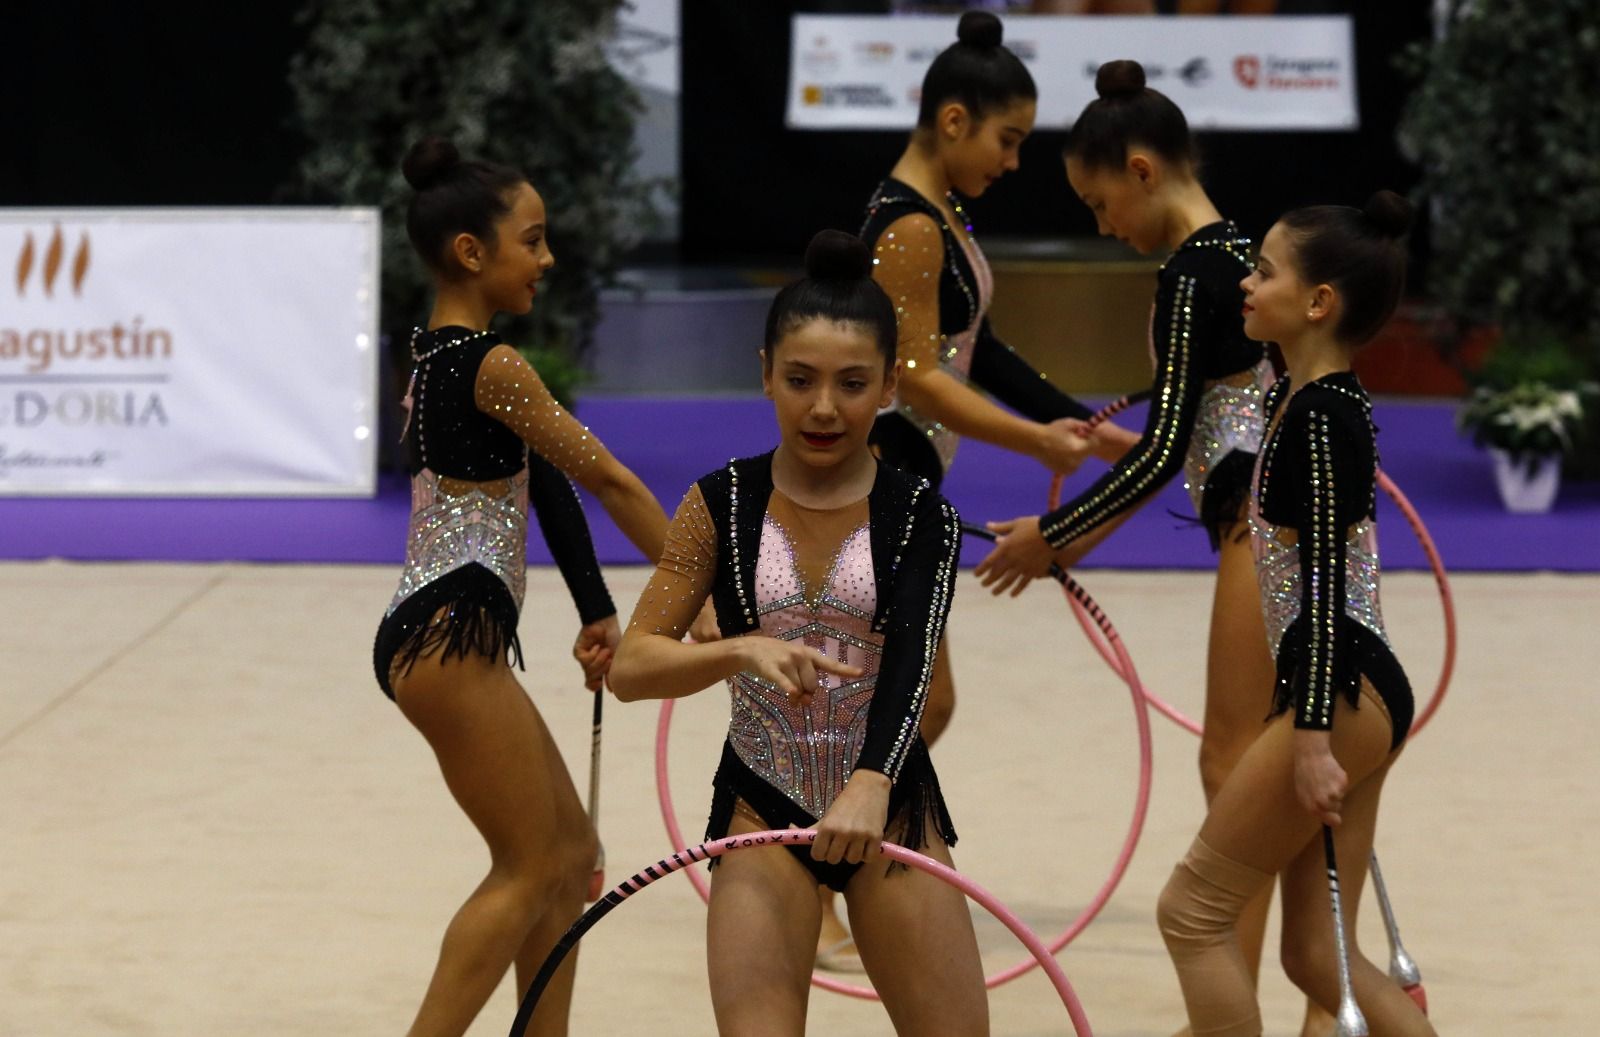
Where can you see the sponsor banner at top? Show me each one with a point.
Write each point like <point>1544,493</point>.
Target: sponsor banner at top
<point>1226,72</point>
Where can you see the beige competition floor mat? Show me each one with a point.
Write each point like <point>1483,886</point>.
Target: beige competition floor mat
<point>211,820</point>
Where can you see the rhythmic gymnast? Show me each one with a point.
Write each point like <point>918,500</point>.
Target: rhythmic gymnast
<point>1327,279</point>
<point>1131,159</point>
<point>831,573</point>
<point>977,107</point>
<point>443,651</point>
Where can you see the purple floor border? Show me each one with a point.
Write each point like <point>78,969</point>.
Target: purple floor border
<point>670,442</point>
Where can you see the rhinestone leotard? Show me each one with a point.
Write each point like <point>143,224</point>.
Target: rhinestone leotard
<point>1314,532</point>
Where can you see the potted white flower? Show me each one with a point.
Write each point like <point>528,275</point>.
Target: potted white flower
<point>1528,410</point>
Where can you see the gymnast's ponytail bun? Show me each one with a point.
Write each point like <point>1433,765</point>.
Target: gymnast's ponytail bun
<point>453,196</point>
<point>1389,214</point>
<point>1129,115</point>
<point>1119,80</point>
<point>834,255</point>
<point>976,71</point>
<point>429,162</point>
<point>980,29</point>
<point>838,288</point>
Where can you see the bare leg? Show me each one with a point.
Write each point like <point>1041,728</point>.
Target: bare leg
<point>835,950</point>
<point>1239,680</point>
<point>1257,824</point>
<point>503,769</point>
<point>917,942</point>
<point>564,910</point>
<point>760,935</point>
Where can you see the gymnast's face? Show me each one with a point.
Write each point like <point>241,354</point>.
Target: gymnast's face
<point>1124,201</point>
<point>979,153</point>
<point>827,382</point>
<point>508,269</point>
<point>1278,305</point>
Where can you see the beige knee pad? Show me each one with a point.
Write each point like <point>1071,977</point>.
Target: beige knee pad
<point>1197,912</point>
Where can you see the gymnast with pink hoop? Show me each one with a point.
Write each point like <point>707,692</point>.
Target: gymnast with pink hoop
<point>1326,281</point>
<point>832,574</point>
<point>1132,160</point>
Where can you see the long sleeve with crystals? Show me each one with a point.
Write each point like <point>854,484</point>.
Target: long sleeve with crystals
<point>1183,312</point>
<point>566,529</point>
<point>1329,479</point>
<point>1002,373</point>
<point>683,578</point>
<point>923,586</point>
<point>511,392</point>
<point>907,262</point>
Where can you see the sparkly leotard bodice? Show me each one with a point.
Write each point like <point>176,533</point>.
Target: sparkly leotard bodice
<point>449,531</point>
<point>1314,533</point>
<point>1229,420</point>
<point>808,751</point>
<point>474,408</point>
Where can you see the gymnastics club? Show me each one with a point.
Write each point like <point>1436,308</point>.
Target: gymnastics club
<point>597,881</point>
<point>1402,969</point>
<point>1350,1020</point>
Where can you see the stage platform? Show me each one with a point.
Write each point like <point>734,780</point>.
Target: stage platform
<point>670,441</point>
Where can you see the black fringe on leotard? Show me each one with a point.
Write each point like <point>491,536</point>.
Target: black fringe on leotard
<point>480,618</point>
<point>914,797</point>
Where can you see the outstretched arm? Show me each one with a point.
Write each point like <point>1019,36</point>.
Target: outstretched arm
<point>908,261</point>
<point>509,390</point>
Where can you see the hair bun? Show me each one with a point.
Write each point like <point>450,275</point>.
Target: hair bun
<point>1389,213</point>
<point>980,29</point>
<point>1119,79</point>
<point>429,161</point>
<point>834,255</point>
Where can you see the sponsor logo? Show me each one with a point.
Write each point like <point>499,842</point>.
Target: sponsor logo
<point>79,408</point>
<point>48,265</point>
<point>818,57</point>
<point>1247,70</point>
<point>1255,72</point>
<point>1195,71</point>
<point>66,373</point>
<point>875,52</point>
<point>846,95</point>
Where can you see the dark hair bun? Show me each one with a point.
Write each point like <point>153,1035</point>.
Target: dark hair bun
<point>980,29</point>
<point>834,255</point>
<point>1389,213</point>
<point>1119,79</point>
<point>429,161</point>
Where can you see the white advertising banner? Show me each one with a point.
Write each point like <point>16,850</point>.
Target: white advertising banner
<point>188,352</point>
<point>1228,72</point>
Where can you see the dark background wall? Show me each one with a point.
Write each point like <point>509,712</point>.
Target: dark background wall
<point>179,103</point>
<point>187,104</point>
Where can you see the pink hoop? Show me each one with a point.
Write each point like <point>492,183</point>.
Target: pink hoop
<point>1124,669</point>
<point>682,859</point>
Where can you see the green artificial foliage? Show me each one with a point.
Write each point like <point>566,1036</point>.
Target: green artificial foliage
<point>525,83</point>
<point>1505,123</point>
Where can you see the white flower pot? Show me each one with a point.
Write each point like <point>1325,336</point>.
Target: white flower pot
<point>1527,488</point>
